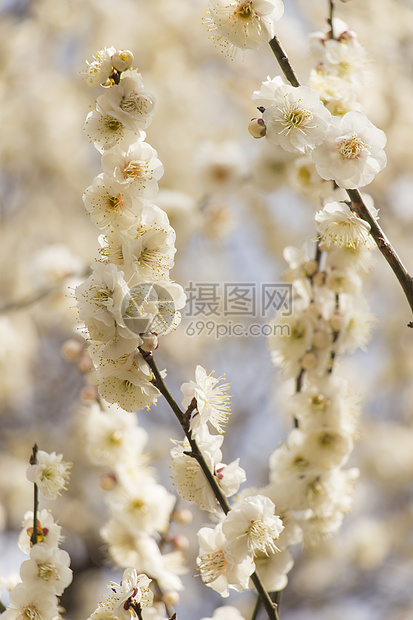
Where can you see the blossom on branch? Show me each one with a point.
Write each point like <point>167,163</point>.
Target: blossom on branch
<point>244,24</point>
<point>352,153</point>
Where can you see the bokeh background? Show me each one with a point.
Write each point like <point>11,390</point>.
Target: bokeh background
<point>235,205</point>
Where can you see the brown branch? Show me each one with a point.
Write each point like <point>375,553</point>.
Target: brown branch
<point>405,279</point>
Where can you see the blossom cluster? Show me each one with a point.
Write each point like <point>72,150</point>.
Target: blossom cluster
<point>330,318</point>
<point>127,599</point>
<point>46,574</point>
<point>129,298</point>
<point>243,24</point>
<point>140,508</point>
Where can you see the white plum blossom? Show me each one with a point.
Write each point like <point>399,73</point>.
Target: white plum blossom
<point>337,224</point>
<point>48,532</point>
<point>187,474</point>
<point>132,591</point>
<point>129,102</point>
<point>99,70</point>
<point>128,385</point>
<point>113,437</point>
<point>109,203</point>
<point>140,550</point>
<point>211,400</point>
<point>352,153</point>
<point>219,569</point>
<point>140,503</point>
<point>244,24</point>
<point>34,603</point>
<point>104,130</point>
<point>48,567</point>
<point>252,526</point>
<point>50,473</point>
<point>137,167</point>
<point>295,118</point>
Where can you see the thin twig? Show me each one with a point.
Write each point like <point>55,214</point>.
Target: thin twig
<point>330,19</point>
<point>284,62</point>
<point>405,279</point>
<point>33,461</point>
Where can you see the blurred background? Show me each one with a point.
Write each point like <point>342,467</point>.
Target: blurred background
<point>235,205</point>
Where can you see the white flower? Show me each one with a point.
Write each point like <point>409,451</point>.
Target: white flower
<point>230,477</point>
<point>150,249</point>
<point>221,166</point>
<point>129,102</point>
<point>99,70</point>
<point>101,296</point>
<point>295,118</point>
<point>245,24</point>
<point>211,400</point>
<point>142,551</point>
<point>133,589</point>
<point>31,603</point>
<point>113,437</point>
<point>337,224</point>
<point>352,153</point>
<point>141,504</point>
<point>47,567</point>
<point>106,131</point>
<point>273,570</point>
<point>138,167</point>
<point>50,473</point>
<point>127,385</point>
<point>252,527</point>
<point>109,203</point>
<point>48,532</point>
<point>187,474</point>
<point>219,569</point>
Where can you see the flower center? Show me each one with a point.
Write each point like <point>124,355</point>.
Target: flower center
<point>245,11</point>
<point>351,148</point>
<point>136,103</point>
<point>136,170</point>
<point>112,124</point>
<point>261,537</point>
<point>31,613</point>
<point>293,116</point>
<point>48,572</point>
<point>212,565</point>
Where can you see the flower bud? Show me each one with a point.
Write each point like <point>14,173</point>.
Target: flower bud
<point>257,128</point>
<point>309,360</point>
<point>321,339</point>
<point>319,278</point>
<point>85,363</point>
<point>107,482</point>
<point>149,342</point>
<point>314,310</point>
<point>170,598</point>
<point>89,392</point>
<point>183,515</point>
<point>180,542</point>
<point>122,60</point>
<point>336,321</point>
<point>72,350</point>
<point>310,267</point>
